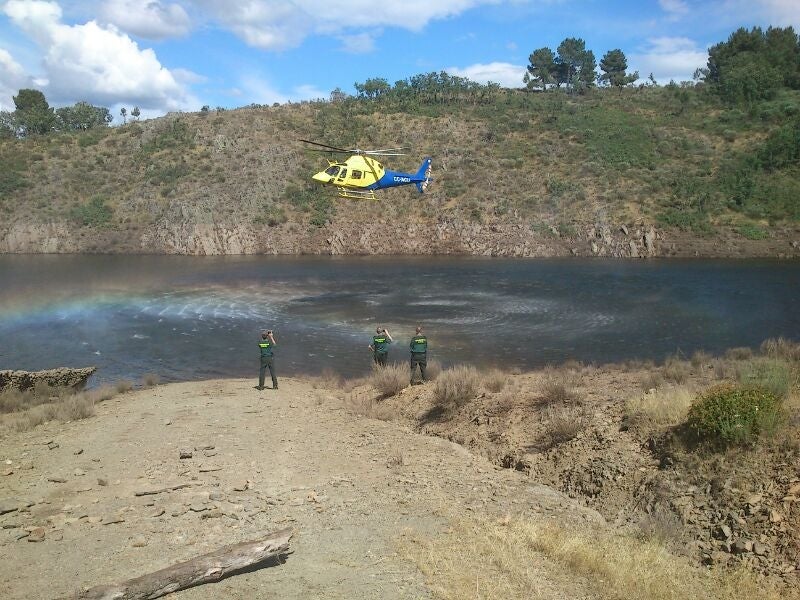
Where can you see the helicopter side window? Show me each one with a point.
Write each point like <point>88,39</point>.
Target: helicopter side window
<point>332,171</point>
<point>343,174</point>
<point>355,175</point>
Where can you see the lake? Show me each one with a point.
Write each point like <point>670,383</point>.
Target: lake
<point>199,317</point>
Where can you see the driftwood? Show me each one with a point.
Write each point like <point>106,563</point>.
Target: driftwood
<point>169,488</point>
<point>207,568</point>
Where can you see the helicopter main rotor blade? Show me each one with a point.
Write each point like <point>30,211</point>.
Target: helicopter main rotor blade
<point>330,148</point>
<point>381,153</point>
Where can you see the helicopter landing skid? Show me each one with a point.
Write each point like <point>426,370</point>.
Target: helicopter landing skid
<point>357,194</point>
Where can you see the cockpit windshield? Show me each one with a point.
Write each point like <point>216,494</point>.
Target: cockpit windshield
<point>332,171</point>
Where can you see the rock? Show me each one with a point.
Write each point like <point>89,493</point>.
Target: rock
<point>215,496</point>
<point>212,514</point>
<point>158,512</point>
<point>775,516</point>
<point>717,558</point>
<point>57,535</point>
<point>723,532</point>
<point>79,472</point>
<point>36,534</point>
<point>57,480</point>
<point>8,472</point>
<point>102,482</point>
<point>195,507</point>
<point>759,549</point>
<point>139,541</point>
<point>52,445</point>
<point>242,486</point>
<point>167,422</point>
<point>209,453</point>
<point>794,490</point>
<point>78,452</point>
<point>623,229</point>
<point>634,250</point>
<point>742,546</point>
<point>8,506</point>
<point>755,499</point>
<point>62,377</point>
<point>649,242</point>
<point>184,453</point>
<point>111,519</point>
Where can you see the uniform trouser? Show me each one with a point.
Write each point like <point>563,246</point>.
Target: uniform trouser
<point>267,362</point>
<point>420,359</point>
<point>380,358</point>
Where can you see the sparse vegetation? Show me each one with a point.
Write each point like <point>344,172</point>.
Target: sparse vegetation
<point>772,375</point>
<point>456,385</point>
<point>496,560</point>
<point>150,379</point>
<point>659,409</point>
<point>563,422</point>
<point>494,380</point>
<point>558,387</point>
<point>390,380</point>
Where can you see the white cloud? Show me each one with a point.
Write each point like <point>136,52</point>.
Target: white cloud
<point>12,79</point>
<point>151,19</point>
<point>277,25</point>
<point>506,74</point>
<point>778,12</point>
<point>360,43</point>
<point>674,8</point>
<point>96,63</point>
<point>255,89</point>
<point>669,58</point>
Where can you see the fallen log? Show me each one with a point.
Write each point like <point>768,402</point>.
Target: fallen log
<point>169,488</point>
<point>207,568</point>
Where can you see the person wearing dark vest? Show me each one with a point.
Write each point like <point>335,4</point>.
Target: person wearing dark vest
<point>380,346</point>
<point>419,354</point>
<point>266,345</point>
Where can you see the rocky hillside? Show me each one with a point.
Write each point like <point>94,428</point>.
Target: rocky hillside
<point>623,173</point>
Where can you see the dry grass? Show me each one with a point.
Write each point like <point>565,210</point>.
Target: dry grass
<point>558,386</point>
<point>390,380</point>
<point>328,380</point>
<point>26,410</point>
<point>150,379</point>
<point>495,560</point>
<point>701,359</point>
<point>781,348</point>
<point>659,409</point>
<point>676,370</point>
<point>739,353</point>
<point>495,380</point>
<point>123,385</point>
<point>652,380</point>
<point>456,386</point>
<point>433,370</point>
<point>563,422</point>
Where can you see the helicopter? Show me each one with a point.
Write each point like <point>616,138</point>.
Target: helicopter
<point>360,175</point>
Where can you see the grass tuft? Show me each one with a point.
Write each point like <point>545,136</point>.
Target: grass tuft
<point>456,386</point>
<point>389,380</point>
<point>659,408</point>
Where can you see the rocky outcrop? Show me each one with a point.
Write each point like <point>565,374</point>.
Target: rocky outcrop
<point>61,377</point>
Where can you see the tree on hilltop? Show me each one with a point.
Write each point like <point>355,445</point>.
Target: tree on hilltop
<point>33,115</point>
<point>135,113</point>
<point>541,69</point>
<point>82,116</point>
<point>575,64</point>
<point>614,64</point>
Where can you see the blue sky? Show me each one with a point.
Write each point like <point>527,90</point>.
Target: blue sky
<point>164,55</point>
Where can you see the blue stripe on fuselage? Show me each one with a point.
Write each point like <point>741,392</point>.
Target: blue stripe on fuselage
<point>393,179</point>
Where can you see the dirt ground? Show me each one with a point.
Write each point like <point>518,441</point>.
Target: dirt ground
<point>350,487</point>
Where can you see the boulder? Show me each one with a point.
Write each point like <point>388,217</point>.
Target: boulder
<point>61,377</point>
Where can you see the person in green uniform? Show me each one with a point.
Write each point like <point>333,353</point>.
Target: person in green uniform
<point>419,354</point>
<point>266,345</point>
<point>380,346</point>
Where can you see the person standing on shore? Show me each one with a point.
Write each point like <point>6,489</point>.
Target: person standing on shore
<point>266,345</point>
<point>419,354</point>
<point>380,346</point>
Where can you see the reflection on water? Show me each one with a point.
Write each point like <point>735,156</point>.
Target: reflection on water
<point>188,317</point>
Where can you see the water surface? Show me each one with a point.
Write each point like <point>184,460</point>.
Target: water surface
<point>199,317</point>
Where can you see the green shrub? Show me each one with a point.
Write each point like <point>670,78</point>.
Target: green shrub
<point>729,415</point>
<point>94,213</point>
<point>751,232</point>
<point>768,374</point>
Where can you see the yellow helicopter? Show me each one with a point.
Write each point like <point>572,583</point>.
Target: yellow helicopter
<point>360,175</point>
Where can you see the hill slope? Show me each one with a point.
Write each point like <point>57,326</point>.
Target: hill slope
<point>651,171</point>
